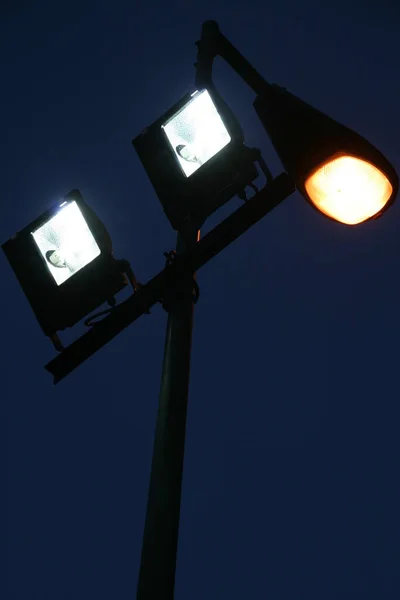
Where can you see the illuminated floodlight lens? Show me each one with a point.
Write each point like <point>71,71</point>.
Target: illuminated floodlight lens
<point>196,133</point>
<point>66,242</point>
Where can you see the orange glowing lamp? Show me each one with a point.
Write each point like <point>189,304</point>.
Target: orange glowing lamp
<point>349,189</point>
<point>337,170</point>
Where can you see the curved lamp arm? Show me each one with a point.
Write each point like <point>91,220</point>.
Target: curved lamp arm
<point>213,43</point>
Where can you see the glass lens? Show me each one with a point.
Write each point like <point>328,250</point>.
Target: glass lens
<point>196,133</point>
<point>66,243</point>
<point>349,189</point>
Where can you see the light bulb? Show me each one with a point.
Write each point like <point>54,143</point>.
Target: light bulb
<point>196,133</point>
<point>348,189</point>
<point>66,242</point>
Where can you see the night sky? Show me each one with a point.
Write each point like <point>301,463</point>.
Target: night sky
<point>291,484</point>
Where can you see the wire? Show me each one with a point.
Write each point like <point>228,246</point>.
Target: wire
<point>127,270</point>
<point>88,321</point>
<point>254,187</point>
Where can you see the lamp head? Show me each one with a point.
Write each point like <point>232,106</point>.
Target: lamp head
<point>195,157</point>
<point>63,261</point>
<point>338,171</point>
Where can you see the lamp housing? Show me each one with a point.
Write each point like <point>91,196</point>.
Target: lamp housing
<point>337,170</point>
<point>195,157</point>
<point>64,263</point>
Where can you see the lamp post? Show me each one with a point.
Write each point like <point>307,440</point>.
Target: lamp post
<point>197,160</point>
<point>160,539</point>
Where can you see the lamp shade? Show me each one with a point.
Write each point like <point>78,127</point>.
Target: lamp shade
<point>63,261</point>
<point>337,170</point>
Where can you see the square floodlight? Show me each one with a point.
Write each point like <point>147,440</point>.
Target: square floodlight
<point>64,263</point>
<point>195,157</point>
<point>196,133</point>
<point>66,242</point>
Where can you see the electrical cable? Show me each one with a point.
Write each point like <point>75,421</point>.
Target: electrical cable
<point>88,321</point>
<point>254,187</point>
<point>127,270</point>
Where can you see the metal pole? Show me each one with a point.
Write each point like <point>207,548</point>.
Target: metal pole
<point>160,539</point>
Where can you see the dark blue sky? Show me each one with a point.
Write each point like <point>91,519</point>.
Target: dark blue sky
<point>291,484</point>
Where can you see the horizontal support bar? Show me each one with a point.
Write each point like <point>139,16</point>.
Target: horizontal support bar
<point>240,221</point>
<point>148,295</point>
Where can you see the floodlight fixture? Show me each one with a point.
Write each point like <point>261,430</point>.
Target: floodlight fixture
<point>195,157</point>
<point>64,263</point>
<point>196,133</point>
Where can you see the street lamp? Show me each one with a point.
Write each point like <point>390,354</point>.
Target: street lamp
<point>196,159</point>
<point>337,170</point>
<point>64,263</point>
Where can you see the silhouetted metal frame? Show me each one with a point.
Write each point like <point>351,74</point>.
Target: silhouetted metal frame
<point>151,293</point>
<point>158,561</point>
<point>213,43</point>
<point>175,282</point>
